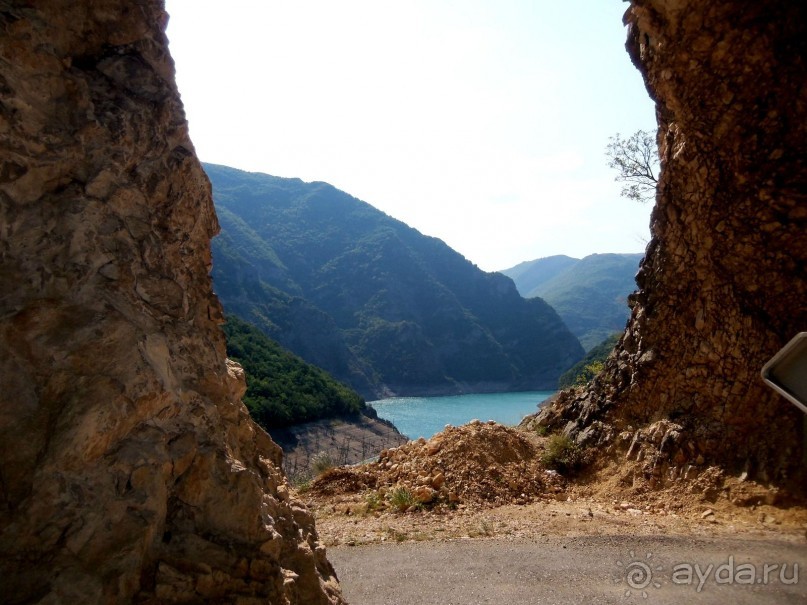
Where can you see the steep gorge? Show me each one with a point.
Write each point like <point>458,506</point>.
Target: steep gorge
<point>377,304</point>
<point>129,468</point>
<point>723,285</point>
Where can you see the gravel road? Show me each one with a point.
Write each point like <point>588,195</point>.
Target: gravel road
<point>656,570</point>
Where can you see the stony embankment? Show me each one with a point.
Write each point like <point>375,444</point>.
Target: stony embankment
<point>336,441</point>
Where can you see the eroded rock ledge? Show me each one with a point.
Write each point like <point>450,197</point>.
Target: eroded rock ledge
<point>129,469</point>
<point>724,284</point>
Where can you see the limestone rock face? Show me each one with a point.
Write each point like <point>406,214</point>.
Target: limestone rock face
<point>723,285</point>
<point>129,469</point>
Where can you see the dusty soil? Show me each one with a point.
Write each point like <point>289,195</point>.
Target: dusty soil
<point>487,480</point>
<point>486,521</point>
<point>337,525</point>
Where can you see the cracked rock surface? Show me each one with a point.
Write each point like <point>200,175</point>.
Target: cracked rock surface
<point>129,468</point>
<point>724,282</point>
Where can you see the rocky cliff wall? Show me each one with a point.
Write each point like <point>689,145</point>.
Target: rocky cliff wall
<point>129,469</point>
<point>723,285</point>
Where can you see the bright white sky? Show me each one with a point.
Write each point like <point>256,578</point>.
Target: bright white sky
<point>481,122</point>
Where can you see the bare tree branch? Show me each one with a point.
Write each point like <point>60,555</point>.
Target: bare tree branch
<point>636,161</point>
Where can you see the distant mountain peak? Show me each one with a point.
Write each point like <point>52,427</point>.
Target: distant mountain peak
<point>590,294</point>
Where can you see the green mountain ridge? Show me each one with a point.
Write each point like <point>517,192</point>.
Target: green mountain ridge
<point>589,294</point>
<point>374,302</point>
<point>531,274</point>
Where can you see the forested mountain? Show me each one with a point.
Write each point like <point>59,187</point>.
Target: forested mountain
<point>590,294</point>
<point>372,301</point>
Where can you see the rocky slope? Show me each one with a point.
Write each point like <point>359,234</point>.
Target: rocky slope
<point>724,284</point>
<point>129,469</point>
<point>340,441</point>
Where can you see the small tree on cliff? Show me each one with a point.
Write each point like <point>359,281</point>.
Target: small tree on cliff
<point>636,160</point>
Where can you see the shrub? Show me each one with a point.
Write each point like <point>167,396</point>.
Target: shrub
<point>374,501</point>
<point>321,462</point>
<point>302,483</point>
<point>401,498</point>
<point>587,368</point>
<point>588,373</point>
<point>562,454</point>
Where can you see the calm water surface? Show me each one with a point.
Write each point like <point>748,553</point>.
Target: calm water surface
<point>424,416</point>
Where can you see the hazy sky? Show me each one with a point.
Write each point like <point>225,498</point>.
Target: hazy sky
<point>481,122</point>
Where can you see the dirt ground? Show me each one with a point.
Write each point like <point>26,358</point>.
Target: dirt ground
<point>485,520</point>
<point>484,480</point>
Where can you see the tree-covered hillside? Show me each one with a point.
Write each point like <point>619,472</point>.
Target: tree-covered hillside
<point>282,389</point>
<point>590,294</point>
<point>373,301</point>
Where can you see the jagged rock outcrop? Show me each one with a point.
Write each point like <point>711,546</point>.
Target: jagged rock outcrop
<point>129,469</point>
<point>723,285</point>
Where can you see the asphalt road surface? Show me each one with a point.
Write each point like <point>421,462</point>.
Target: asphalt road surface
<point>654,570</point>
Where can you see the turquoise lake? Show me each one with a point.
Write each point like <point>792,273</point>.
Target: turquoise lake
<point>424,416</point>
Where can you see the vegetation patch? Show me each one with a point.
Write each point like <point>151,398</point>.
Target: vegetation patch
<point>282,389</point>
<point>302,483</point>
<point>562,454</point>
<point>374,501</point>
<point>402,498</point>
<point>592,364</point>
<point>321,462</point>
